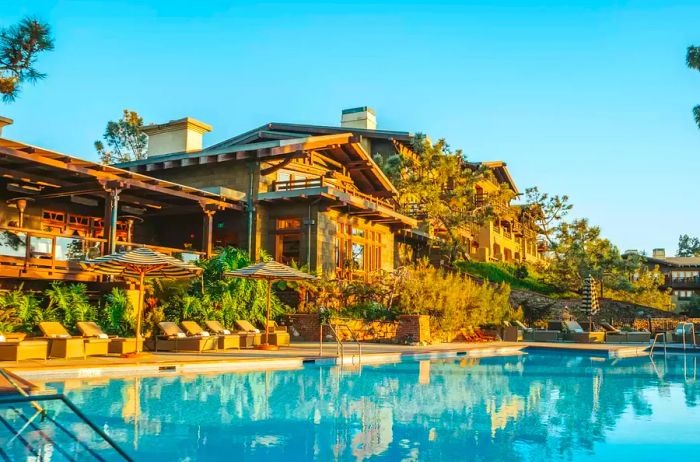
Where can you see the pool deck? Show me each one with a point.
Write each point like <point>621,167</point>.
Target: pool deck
<point>293,357</point>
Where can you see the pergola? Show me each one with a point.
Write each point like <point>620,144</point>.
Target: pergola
<point>40,174</point>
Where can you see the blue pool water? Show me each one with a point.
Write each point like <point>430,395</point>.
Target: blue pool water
<point>531,407</point>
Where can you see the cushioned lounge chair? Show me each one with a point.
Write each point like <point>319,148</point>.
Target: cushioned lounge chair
<point>537,335</point>
<point>613,335</point>
<point>245,339</point>
<point>224,341</point>
<point>277,334</point>
<point>575,333</point>
<point>117,345</point>
<point>18,350</point>
<point>63,345</point>
<point>249,329</point>
<point>174,339</point>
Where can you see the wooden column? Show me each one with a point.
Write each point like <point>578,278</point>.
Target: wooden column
<point>110,217</point>
<point>207,229</point>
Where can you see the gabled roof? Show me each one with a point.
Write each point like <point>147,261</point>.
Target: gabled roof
<point>500,171</point>
<point>276,129</point>
<point>678,262</point>
<point>343,147</point>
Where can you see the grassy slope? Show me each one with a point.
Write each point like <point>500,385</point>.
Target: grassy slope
<point>500,272</point>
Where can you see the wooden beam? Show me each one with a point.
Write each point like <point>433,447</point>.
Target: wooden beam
<point>109,175</point>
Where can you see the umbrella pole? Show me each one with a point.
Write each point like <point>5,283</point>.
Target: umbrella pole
<point>267,321</point>
<point>139,313</point>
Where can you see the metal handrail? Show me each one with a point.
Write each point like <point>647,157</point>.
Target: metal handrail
<point>340,351</point>
<point>354,339</point>
<point>653,344</point>
<point>76,411</point>
<point>692,333</point>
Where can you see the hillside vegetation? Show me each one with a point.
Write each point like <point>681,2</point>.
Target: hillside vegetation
<point>513,276</point>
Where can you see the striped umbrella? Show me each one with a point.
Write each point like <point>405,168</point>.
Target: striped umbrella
<point>270,271</point>
<point>140,263</point>
<point>591,305</point>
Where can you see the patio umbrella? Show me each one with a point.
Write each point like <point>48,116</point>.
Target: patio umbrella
<point>590,298</point>
<point>269,271</point>
<point>138,264</point>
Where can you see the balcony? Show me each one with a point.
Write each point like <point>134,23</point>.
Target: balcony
<point>38,254</point>
<point>370,207</point>
<point>683,282</point>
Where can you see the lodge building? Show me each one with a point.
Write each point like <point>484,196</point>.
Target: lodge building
<point>305,193</point>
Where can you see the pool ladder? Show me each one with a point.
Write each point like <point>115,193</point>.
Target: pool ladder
<point>685,343</point>
<point>29,424</point>
<point>340,347</point>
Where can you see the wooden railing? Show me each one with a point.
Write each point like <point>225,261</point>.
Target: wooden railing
<point>24,250</point>
<point>319,182</point>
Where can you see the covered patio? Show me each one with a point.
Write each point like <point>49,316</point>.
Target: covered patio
<point>57,209</point>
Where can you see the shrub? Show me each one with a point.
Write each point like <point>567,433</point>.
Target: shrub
<point>119,313</point>
<point>68,304</point>
<point>19,310</point>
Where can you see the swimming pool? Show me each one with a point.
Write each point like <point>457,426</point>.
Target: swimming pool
<point>530,407</point>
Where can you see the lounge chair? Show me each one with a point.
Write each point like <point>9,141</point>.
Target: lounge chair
<point>117,345</point>
<point>246,339</point>
<point>537,335</point>
<point>278,335</point>
<point>174,339</point>
<point>13,349</point>
<point>511,333</point>
<point>224,341</point>
<point>684,330</point>
<point>245,326</point>
<point>63,345</point>
<point>575,333</point>
<point>613,335</point>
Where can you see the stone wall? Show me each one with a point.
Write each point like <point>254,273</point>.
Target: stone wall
<point>616,312</point>
<point>407,328</point>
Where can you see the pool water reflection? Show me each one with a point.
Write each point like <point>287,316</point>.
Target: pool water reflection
<point>532,407</point>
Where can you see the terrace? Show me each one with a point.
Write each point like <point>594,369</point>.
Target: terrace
<point>57,210</point>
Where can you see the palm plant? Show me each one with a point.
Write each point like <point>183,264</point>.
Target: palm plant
<point>70,303</point>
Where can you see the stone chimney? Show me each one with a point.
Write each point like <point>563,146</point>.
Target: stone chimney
<point>182,135</point>
<point>359,117</point>
<point>658,253</point>
<point>4,121</point>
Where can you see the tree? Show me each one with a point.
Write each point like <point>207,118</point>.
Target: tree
<point>688,246</point>
<point>579,250</point>
<point>437,184</point>
<point>20,46</point>
<point>125,139</point>
<point>692,59</point>
<point>548,211</point>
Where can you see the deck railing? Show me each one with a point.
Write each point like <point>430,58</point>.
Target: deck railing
<point>30,250</point>
<point>319,182</point>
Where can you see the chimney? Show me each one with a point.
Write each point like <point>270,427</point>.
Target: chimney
<point>658,253</point>
<point>182,135</point>
<point>3,122</point>
<point>359,117</point>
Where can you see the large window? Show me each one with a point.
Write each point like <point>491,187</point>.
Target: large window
<point>288,240</point>
<point>357,251</point>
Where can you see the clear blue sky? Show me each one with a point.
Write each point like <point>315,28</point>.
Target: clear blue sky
<point>587,98</point>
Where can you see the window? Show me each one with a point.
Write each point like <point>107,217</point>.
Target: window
<point>357,250</point>
<point>288,240</point>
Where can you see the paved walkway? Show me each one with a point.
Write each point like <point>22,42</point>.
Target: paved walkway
<point>285,358</point>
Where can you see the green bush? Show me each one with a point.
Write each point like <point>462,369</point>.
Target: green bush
<point>68,304</point>
<point>517,277</point>
<point>19,311</point>
<point>119,314</point>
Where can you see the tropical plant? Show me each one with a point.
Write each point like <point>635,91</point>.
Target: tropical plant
<point>119,313</point>
<point>20,46</point>
<point>70,304</point>
<point>19,310</point>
